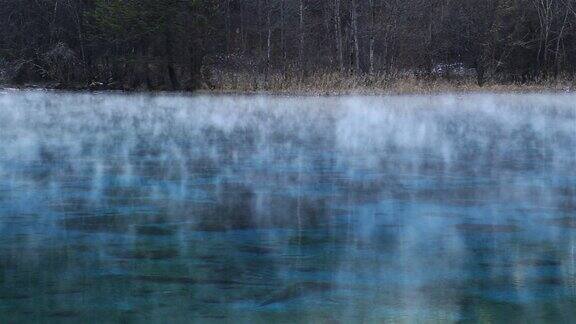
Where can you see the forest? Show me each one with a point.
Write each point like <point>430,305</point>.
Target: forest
<point>267,44</point>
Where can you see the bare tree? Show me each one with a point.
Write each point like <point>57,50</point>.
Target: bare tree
<point>338,34</point>
<point>354,19</point>
<point>302,34</point>
<point>545,20</point>
<point>227,24</point>
<point>516,40</point>
<point>282,31</point>
<point>269,34</point>
<point>372,35</point>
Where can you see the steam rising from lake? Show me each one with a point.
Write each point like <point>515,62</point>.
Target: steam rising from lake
<point>243,208</point>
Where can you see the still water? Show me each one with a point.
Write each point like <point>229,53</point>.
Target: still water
<point>173,209</point>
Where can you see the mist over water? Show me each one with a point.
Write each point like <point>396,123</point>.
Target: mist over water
<point>293,209</point>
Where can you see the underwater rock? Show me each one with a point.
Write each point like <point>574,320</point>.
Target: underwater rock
<point>148,254</point>
<point>215,316</point>
<point>487,228</point>
<point>63,314</point>
<point>75,205</point>
<point>109,223</point>
<point>211,301</point>
<point>209,257</point>
<point>307,269</point>
<point>522,263</point>
<point>164,279</point>
<point>540,263</point>
<point>67,291</point>
<point>155,230</point>
<point>445,215</point>
<point>303,240</point>
<point>550,281</point>
<point>223,227</point>
<point>161,279</point>
<point>14,296</point>
<point>254,249</point>
<point>566,222</point>
<point>295,291</point>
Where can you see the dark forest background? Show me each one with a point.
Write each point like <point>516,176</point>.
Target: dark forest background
<point>191,44</point>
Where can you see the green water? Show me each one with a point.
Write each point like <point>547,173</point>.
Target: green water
<point>256,209</point>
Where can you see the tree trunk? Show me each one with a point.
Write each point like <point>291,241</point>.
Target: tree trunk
<point>558,42</point>
<point>429,56</point>
<point>282,18</point>
<point>354,18</point>
<point>195,68</point>
<point>372,35</point>
<point>269,36</point>
<point>170,61</point>
<point>259,25</point>
<point>338,35</point>
<point>149,83</point>
<point>544,11</point>
<point>480,73</point>
<point>227,25</point>
<point>242,28</point>
<point>173,77</point>
<point>302,31</point>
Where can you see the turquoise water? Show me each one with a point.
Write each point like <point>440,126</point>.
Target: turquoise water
<point>173,209</point>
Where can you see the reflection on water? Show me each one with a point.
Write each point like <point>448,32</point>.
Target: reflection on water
<point>243,209</point>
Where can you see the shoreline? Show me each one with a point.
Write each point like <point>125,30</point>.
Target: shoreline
<point>423,88</point>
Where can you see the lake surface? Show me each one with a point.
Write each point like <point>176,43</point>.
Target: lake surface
<point>173,209</point>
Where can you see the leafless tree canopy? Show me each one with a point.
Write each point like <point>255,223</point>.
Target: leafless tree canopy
<point>180,44</point>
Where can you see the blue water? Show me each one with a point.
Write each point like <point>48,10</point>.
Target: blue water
<point>176,209</point>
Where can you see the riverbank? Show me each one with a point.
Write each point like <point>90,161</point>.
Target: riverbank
<point>326,84</point>
<point>336,83</point>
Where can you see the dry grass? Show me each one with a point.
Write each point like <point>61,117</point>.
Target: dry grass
<point>337,83</point>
